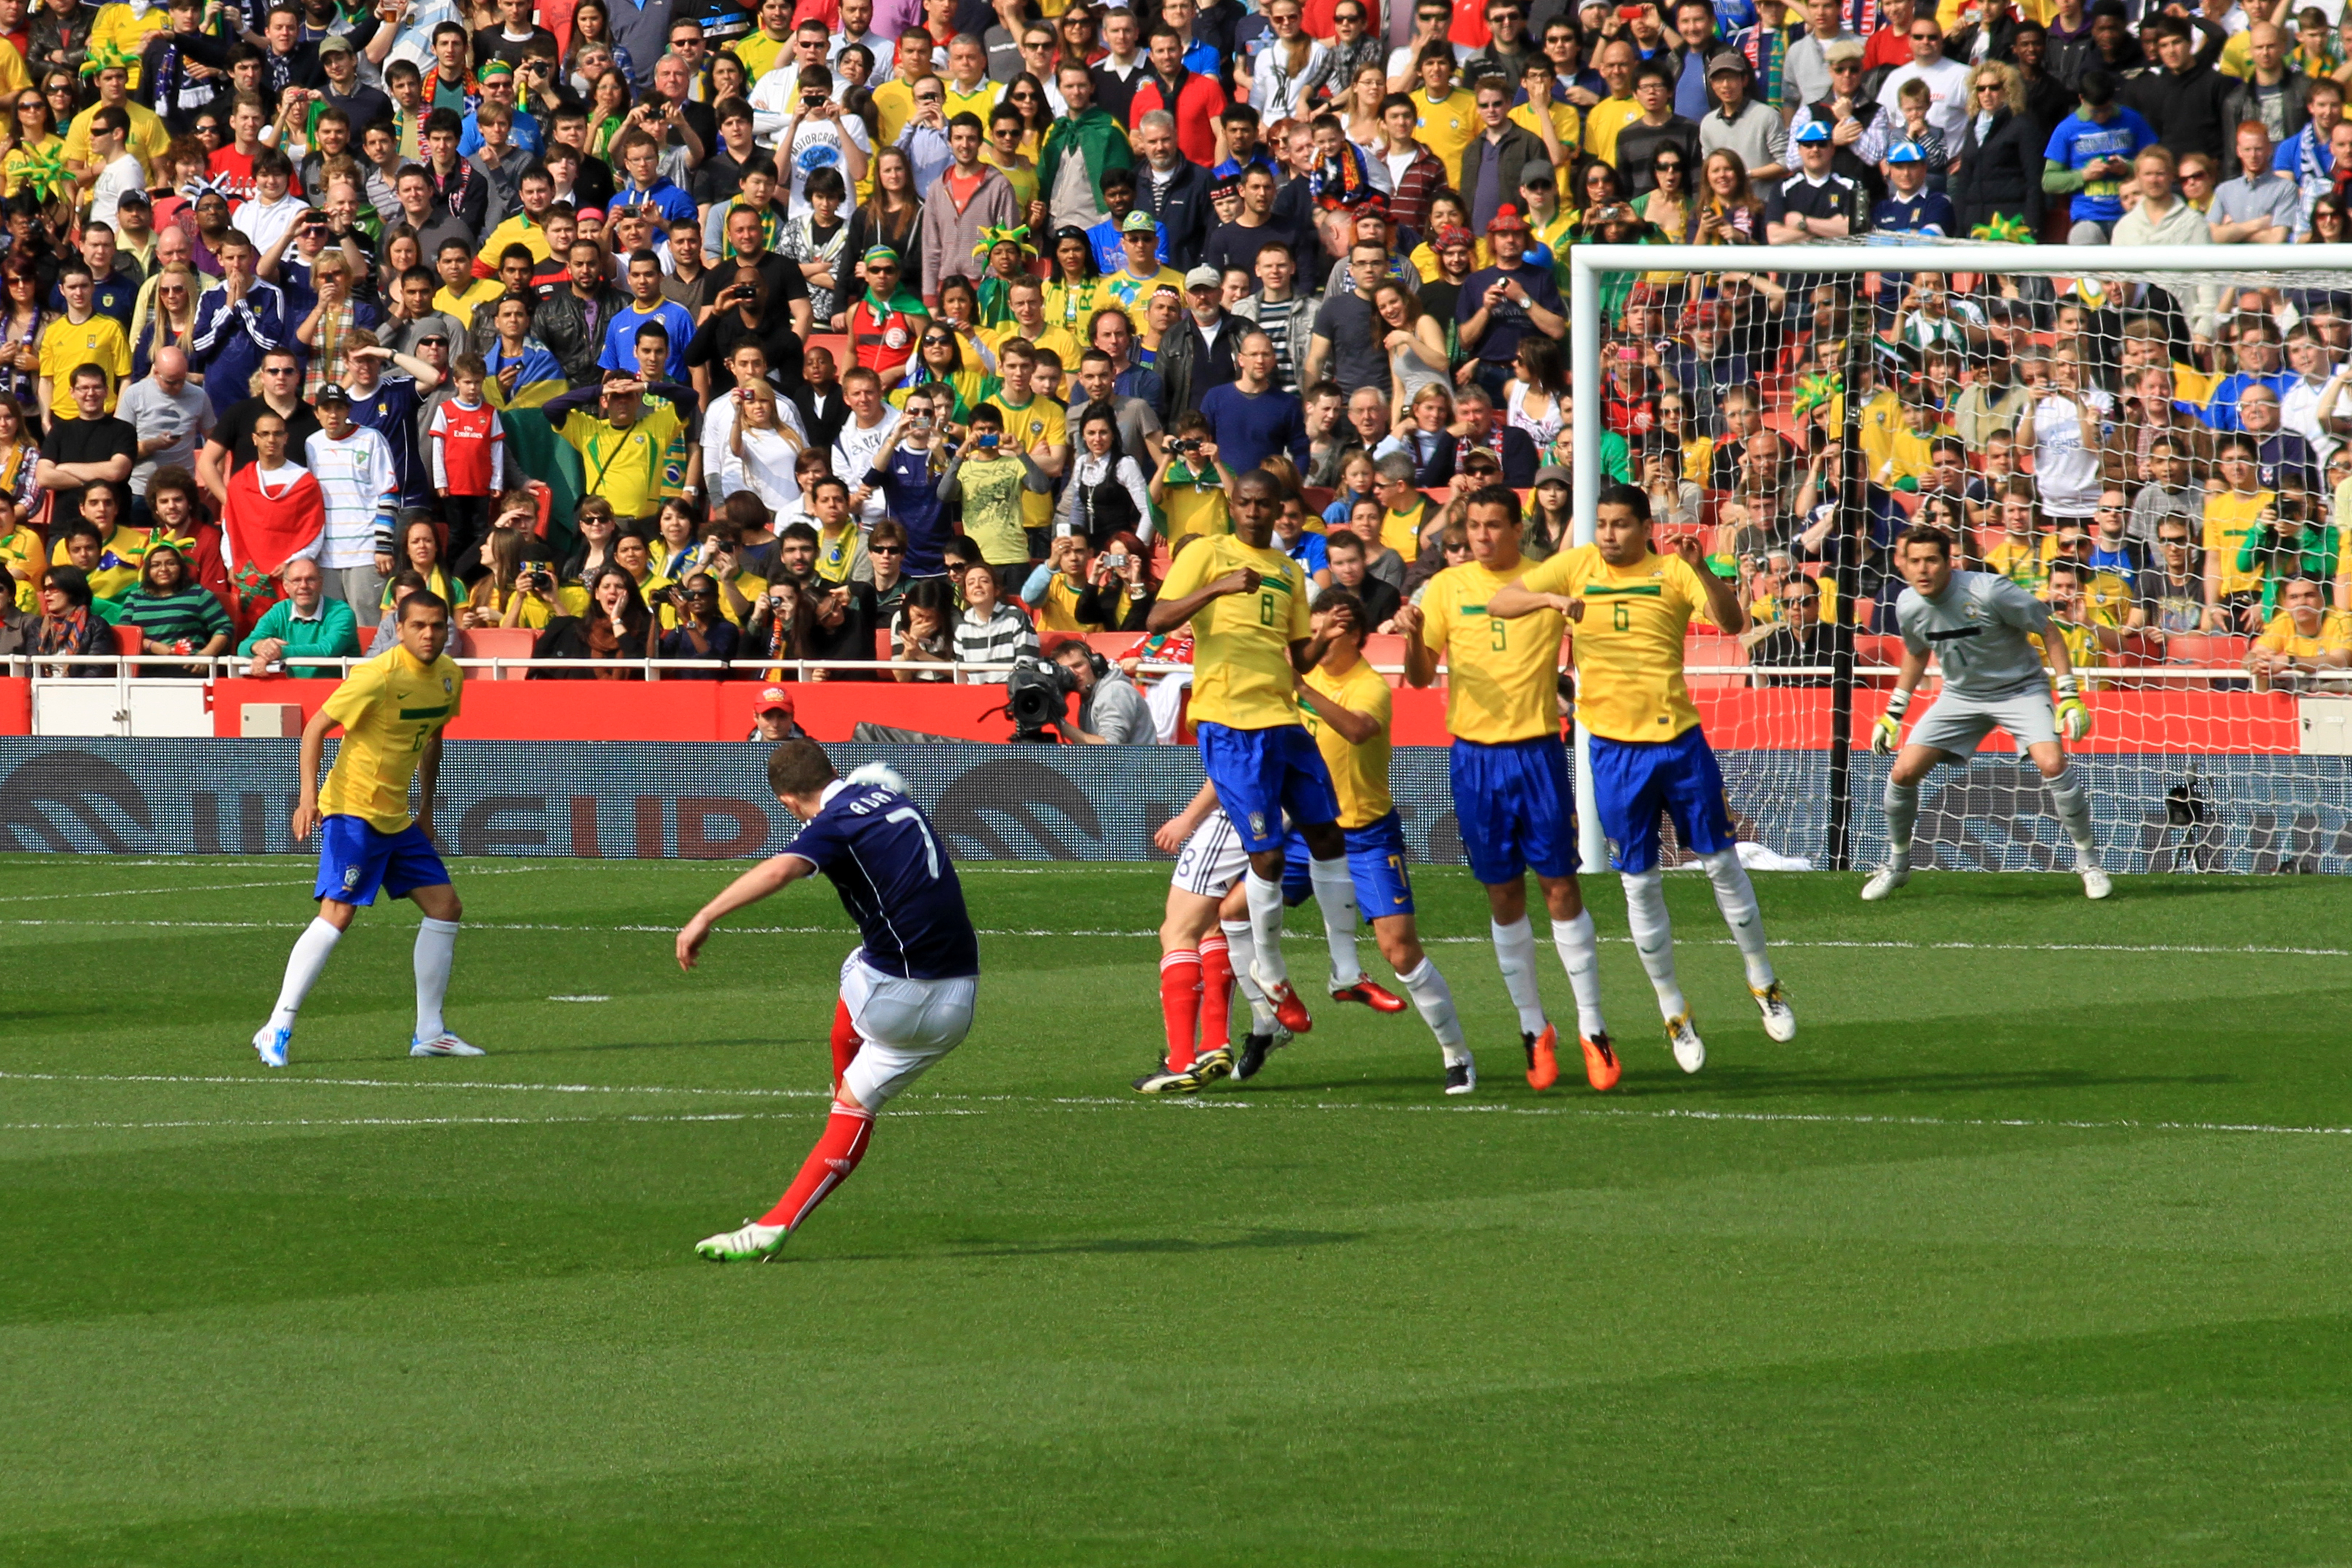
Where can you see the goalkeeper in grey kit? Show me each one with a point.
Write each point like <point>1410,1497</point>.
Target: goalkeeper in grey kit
<point>1977,624</point>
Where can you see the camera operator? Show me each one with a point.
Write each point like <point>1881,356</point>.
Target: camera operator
<point>1119,592</point>
<point>2285,544</point>
<point>1111,711</point>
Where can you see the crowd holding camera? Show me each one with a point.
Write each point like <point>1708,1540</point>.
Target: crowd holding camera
<point>847,305</point>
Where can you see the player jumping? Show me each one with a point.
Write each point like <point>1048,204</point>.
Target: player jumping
<point>1977,625</point>
<point>905,994</point>
<point>1632,609</point>
<point>1246,601</point>
<point>1349,712</point>
<point>1509,772</point>
<point>1204,946</point>
<point>391,711</point>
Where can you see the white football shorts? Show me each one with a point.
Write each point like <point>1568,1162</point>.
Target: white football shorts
<point>1213,859</point>
<point>1958,724</point>
<point>905,1026</point>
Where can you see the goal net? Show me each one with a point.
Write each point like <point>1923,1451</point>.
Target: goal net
<point>2151,440</point>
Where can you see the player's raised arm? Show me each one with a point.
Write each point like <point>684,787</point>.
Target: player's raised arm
<point>769,876</point>
<point>1723,606</point>
<point>1357,727</point>
<point>1515,600</point>
<point>1306,653</point>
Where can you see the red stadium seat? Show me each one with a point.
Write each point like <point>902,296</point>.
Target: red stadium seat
<point>2208,652</point>
<point>1386,648</point>
<point>501,642</point>
<point>128,641</point>
<point>882,648</point>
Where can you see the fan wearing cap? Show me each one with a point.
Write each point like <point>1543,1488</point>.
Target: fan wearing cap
<point>1502,303</point>
<point>1741,125</point>
<point>1816,203</point>
<point>1140,274</point>
<point>771,717</point>
<point>1910,208</point>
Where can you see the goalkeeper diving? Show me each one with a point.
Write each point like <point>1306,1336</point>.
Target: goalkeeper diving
<point>1982,629</point>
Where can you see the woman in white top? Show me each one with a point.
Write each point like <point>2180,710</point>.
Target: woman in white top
<point>1536,397</point>
<point>2066,425</point>
<point>761,453</point>
<point>1360,109</point>
<point>1287,72</point>
<point>1107,494</point>
<point>1416,344</point>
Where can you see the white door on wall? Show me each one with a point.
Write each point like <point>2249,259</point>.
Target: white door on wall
<point>157,709</point>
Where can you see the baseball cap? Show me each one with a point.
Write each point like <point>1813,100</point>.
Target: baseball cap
<point>335,44</point>
<point>1723,60</point>
<point>1905,153</point>
<point>1140,222</point>
<point>1535,175</point>
<point>1202,277</point>
<point>1812,130</point>
<point>771,699</point>
<point>330,393</point>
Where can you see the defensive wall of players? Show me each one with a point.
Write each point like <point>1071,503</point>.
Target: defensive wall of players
<point>2155,810</point>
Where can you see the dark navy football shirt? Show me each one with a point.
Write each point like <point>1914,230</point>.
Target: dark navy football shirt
<point>895,879</point>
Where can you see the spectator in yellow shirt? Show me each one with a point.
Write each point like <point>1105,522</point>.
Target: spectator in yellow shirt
<point>2304,639</point>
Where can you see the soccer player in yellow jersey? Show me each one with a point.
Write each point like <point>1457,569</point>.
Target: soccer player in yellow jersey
<point>1349,710</point>
<point>1632,609</point>
<point>1246,603</point>
<point>1509,772</point>
<point>391,711</point>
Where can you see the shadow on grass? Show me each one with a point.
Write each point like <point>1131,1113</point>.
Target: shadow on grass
<point>1740,1082</point>
<point>1118,1245</point>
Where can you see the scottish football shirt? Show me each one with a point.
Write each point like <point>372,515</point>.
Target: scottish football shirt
<point>389,708</point>
<point>895,879</point>
<point>1629,644</point>
<point>1502,677</point>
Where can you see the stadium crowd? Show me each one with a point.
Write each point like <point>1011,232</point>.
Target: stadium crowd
<point>904,331</point>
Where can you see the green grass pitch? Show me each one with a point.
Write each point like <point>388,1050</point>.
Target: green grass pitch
<point>2029,1251</point>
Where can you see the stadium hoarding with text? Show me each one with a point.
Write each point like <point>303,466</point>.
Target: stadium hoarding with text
<point>645,800</point>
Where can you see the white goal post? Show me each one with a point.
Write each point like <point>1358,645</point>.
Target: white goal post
<point>2199,761</point>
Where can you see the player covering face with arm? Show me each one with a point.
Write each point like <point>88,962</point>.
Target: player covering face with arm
<point>1631,608</point>
<point>391,711</point>
<point>906,993</point>
<point>1979,626</point>
<point>1509,774</point>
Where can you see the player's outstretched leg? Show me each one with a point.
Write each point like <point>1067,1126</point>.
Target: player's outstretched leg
<point>841,1145</point>
<point>1735,895</point>
<point>303,967</point>
<point>1399,940</point>
<point>845,1042</point>
<point>436,949</point>
<point>1902,801</point>
<point>1653,939</point>
<point>1335,896</point>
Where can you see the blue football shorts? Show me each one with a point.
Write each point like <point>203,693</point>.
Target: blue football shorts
<point>1375,865</point>
<point>1261,773</point>
<point>1633,780</point>
<point>1515,809</point>
<point>354,860</point>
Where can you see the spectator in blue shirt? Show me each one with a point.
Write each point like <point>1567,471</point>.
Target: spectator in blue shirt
<point>1249,418</point>
<point>646,305</point>
<point>1910,208</point>
<point>2090,154</point>
<point>646,187</point>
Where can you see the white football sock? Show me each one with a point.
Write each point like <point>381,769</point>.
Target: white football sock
<point>2074,803</point>
<point>1434,1001</point>
<point>1514,952</point>
<point>1335,895</point>
<point>303,966</point>
<point>1735,895</point>
<point>437,946</point>
<point>1902,815</point>
<point>1265,925</point>
<point>1654,937</point>
<point>1241,948</point>
<point>1580,955</point>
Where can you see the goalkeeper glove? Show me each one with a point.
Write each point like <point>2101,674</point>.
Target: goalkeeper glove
<point>1886,735</point>
<point>2074,719</point>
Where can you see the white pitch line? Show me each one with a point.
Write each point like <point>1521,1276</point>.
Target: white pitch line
<point>140,893</point>
<point>2188,950</point>
<point>963,1106</point>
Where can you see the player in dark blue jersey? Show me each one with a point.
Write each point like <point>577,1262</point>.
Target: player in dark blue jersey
<point>905,994</point>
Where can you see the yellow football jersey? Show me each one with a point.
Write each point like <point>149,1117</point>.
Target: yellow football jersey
<point>2280,636</point>
<point>1242,674</point>
<point>1446,126</point>
<point>389,708</point>
<point>2228,518</point>
<point>1629,644</point>
<point>1360,774</point>
<point>1502,677</point>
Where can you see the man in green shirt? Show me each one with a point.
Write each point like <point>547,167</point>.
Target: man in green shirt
<point>304,622</point>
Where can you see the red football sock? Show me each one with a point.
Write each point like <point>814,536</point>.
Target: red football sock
<point>1179,1004</point>
<point>1217,992</point>
<point>828,1165</point>
<point>845,1043</point>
